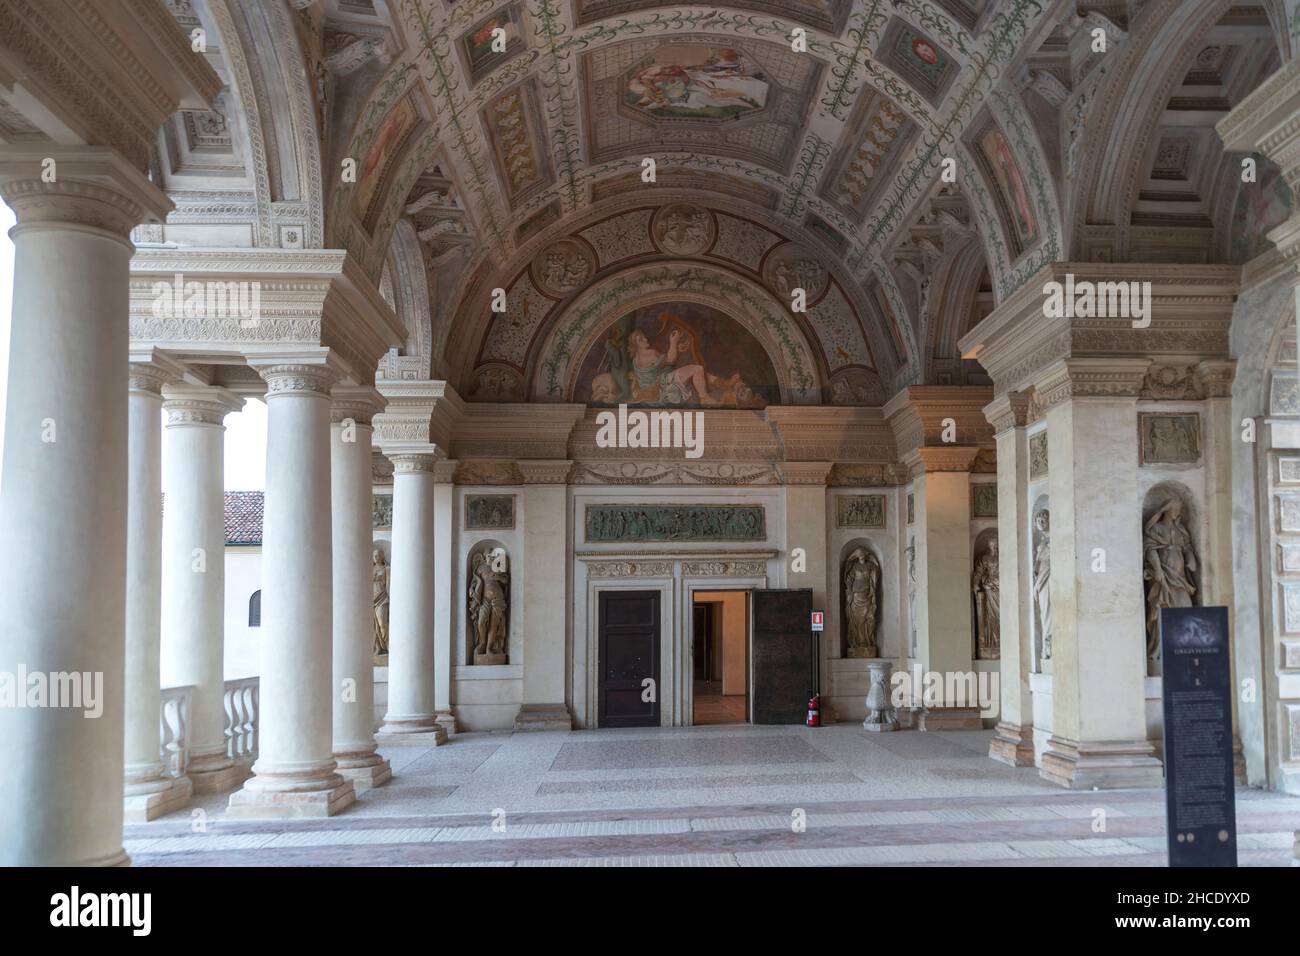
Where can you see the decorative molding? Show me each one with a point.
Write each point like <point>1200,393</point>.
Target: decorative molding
<point>545,472</point>
<point>302,379</point>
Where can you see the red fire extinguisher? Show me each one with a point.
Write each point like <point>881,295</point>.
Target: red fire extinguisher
<point>815,711</point>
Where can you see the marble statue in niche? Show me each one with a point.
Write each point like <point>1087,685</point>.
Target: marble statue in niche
<point>1169,567</point>
<point>861,580</point>
<point>489,605</point>
<point>986,588</point>
<point>1043,582</point>
<point>379,577</point>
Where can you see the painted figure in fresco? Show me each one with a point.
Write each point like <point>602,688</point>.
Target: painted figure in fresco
<point>654,372</point>
<point>861,602</point>
<point>380,603</point>
<point>1043,581</point>
<point>1011,184</point>
<point>986,587</point>
<point>488,603</point>
<point>1170,564</point>
<point>677,82</point>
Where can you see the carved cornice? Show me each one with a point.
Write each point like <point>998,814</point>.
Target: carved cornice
<point>417,413</point>
<point>109,75</point>
<point>851,475</point>
<point>630,569</point>
<point>488,473</point>
<point>1092,378</point>
<point>642,564</point>
<point>919,416</point>
<point>1009,410</point>
<point>673,473</point>
<point>924,461</point>
<point>523,430</point>
<point>1190,315</point>
<point>805,472</point>
<point>545,472</point>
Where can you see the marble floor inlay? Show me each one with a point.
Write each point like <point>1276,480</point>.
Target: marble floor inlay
<point>709,796</point>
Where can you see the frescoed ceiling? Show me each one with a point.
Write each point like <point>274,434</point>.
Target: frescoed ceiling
<point>921,153</point>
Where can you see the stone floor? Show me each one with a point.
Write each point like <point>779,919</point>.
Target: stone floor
<point>710,796</point>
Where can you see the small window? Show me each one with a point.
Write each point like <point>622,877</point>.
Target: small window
<point>255,609</point>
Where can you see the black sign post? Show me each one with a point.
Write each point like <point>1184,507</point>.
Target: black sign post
<point>1200,809</point>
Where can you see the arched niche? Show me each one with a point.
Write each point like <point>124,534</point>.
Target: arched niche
<point>1169,539</point>
<point>1040,582</point>
<point>860,578</point>
<point>488,603</point>
<point>986,610</point>
<point>555,367</point>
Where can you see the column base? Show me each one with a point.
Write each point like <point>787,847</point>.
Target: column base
<point>218,779</point>
<point>275,796</point>
<point>366,769</point>
<point>1101,765</point>
<point>950,718</point>
<point>142,802</point>
<point>543,717</point>
<point>422,729</point>
<point>1013,745</point>
<point>447,721</point>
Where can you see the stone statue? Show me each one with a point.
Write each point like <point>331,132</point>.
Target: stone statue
<point>911,594</point>
<point>861,602</point>
<point>1169,563</point>
<point>1043,581</point>
<point>380,578</point>
<point>985,586</point>
<point>489,606</point>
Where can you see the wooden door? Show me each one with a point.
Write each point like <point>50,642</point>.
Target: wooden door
<point>783,676</point>
<point>628,653</point>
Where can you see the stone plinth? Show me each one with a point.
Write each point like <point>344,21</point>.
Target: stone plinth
<point>880,709</point>
<point>543,717</point>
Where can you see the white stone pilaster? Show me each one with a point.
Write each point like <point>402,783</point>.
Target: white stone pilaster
<point>444,527</point>
<point>1014,740</point>
<point>546,596</point>
<point>353,611</point>
<point>63,514</point>
<point>296,774</point>
<point>1099,733</point>
<point>193,572</point>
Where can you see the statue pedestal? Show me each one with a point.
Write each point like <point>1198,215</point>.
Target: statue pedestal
<point>862,652</point>
<point>880,710</point>
<point>489,658</point>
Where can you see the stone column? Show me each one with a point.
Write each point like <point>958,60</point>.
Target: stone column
<point>1099,734</point>
<point>444,562</point>
<point>546,596</point>
<point>351,499</point>
<point>63,514</point>
<point>944,642</point>
<point>412,708</point>
<point>1014,740</point>
<point>147,792</point>
<point>193,573</point>
<point>805,527</point>
<point>295,774</point>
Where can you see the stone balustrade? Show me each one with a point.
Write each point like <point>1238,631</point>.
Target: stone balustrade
<point>241,700</point>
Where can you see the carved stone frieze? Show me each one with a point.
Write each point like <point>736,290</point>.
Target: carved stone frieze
<point>629,569</point>
<point>673,473</point>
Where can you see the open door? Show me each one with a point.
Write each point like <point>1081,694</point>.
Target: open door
<point>783,676</point>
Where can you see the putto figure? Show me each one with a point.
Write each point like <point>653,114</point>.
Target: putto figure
<point>1169,568</point>
<point>861,602</point>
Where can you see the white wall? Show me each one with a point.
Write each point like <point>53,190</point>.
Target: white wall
<point>243,577</point>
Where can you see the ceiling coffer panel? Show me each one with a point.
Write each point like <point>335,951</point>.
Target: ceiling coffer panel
<point>740,98</point>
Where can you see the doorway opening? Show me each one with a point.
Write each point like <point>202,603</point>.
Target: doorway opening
<point>720,657</point>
